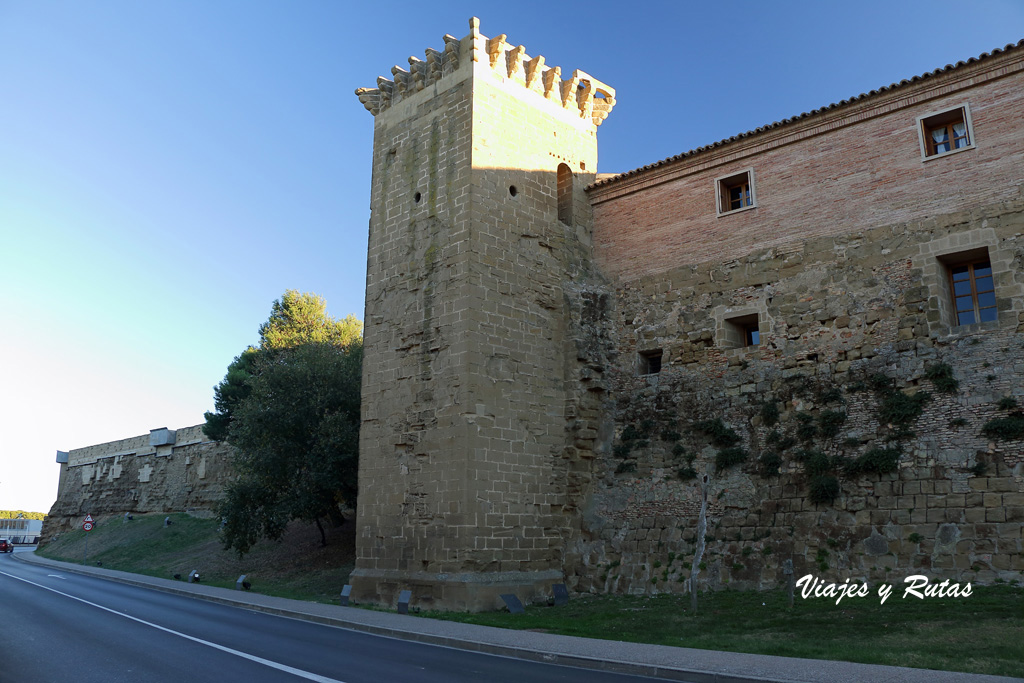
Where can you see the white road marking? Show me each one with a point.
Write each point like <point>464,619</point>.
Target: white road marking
<point>57,576</point>
<point>259,660</point>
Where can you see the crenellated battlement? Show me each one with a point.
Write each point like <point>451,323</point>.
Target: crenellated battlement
<point>581,92</point>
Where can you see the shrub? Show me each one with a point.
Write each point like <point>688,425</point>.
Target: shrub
<point>815,462</point>
<point>678,450</point>
<point>1007,403</point>
<point>770,413</point>
<point>806,430</point>
<point>621,450</point>
<point>915,537</point>
<point>830,421</point>
<point>721,435</point>
<point>823,489</point>
<point>687,473</point>
<point>671,436</point>
<point>727,457</point>
<point>831,395</point>
<point>856,387</point>
<point>901,409</point>
<point>630,433</point>
<point>768,464</point>
<point>941,375</point>
<point>625,467</point>
<point>877,460</point>
<point>1009,428</point>
<point>958,422</point>
<point>978,469</point>
<point>879,382</point>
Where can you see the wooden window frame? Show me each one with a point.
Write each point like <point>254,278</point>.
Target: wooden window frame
<point>971,265</point>
<point>724,185</point>
<point>945,118</point>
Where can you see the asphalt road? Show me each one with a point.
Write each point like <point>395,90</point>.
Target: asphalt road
<point>65,627</point>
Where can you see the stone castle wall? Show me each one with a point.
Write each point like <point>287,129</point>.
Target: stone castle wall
<point>130,475</point>
<point>842,266</point>
<point>463,489</point>
<point>547,371</point>
<point>845,339</point>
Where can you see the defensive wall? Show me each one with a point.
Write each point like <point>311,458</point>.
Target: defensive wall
<point>166,470</point>
<point>842,264</point>
<point>552,360</point>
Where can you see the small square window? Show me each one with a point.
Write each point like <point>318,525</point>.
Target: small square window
<point>735,192</point>
<point>974,293</point>
<point>650,362</point>
<point>945,132</point>
<point>741,331</point>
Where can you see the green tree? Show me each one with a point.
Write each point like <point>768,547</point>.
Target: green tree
<point>290,408</point>
<point>14,514</point>
<point>296,318</point>
<point>296,435</point>
<point>232,390</point>
<point>301,318</point>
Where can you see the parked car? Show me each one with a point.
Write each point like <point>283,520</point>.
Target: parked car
<point>6,546</point>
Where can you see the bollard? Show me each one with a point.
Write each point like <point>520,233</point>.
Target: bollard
<point>512,602</point>
<point>241,583</point>
<point>403,602</point>
<point>346,593</point>
<point>787,571</point>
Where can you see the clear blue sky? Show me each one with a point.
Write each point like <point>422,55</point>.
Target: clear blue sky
<point>168,169</point>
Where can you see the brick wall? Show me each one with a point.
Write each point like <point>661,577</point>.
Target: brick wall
<point>852,168</point>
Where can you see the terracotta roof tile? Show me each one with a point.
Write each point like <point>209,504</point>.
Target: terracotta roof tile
<point>777,124</point>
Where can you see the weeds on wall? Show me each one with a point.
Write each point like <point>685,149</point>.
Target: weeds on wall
<point>941,375</point>
<point>1006,428</point>
<point>877,460</point>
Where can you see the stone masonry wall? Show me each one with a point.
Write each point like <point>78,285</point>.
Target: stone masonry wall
<point>472,273</point>
<point>129,475</point>
<point>852,370</point>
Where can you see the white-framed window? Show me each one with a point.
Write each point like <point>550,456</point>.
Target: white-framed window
<point>945,132</point>
<point>735,192</point>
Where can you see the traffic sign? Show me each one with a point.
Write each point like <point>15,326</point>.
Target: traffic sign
<point>87,526</point>
<point>88,518</point>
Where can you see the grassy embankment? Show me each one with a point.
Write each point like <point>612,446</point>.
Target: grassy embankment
<point>296,567</point>
<point>983,633</point>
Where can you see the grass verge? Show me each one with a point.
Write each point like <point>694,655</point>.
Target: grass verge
<point>296,567</point>
<point>983,633</point>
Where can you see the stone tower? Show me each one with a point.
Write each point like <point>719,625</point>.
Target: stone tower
<point>479,220</point>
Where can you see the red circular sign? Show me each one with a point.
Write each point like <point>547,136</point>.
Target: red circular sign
<point>87,526</point>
